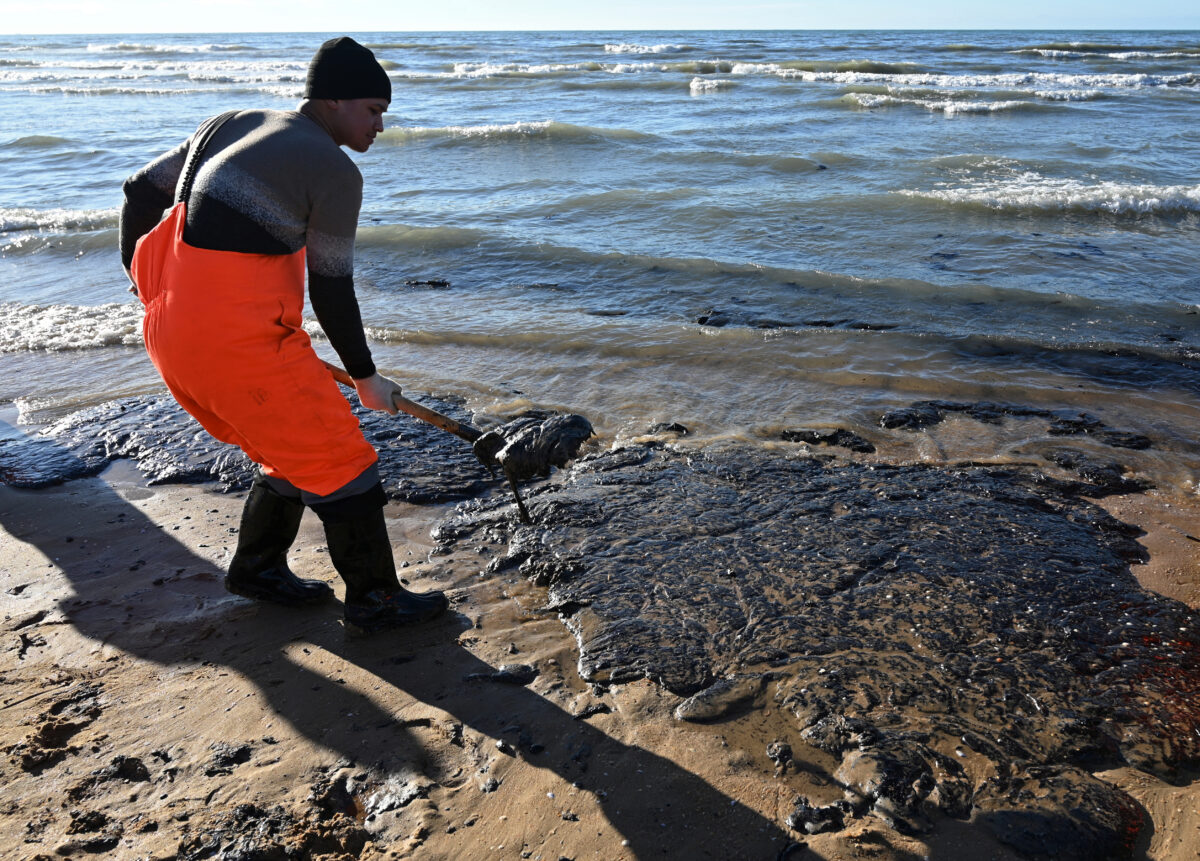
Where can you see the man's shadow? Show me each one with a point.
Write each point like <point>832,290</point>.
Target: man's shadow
<point>168,607</point>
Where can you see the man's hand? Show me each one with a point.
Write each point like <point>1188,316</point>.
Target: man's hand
<point>375,393</point>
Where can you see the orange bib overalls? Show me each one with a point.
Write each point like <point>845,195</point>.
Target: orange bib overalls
<point>224,329</point>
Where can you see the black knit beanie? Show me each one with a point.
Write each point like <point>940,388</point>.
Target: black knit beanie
<point>344,69</point>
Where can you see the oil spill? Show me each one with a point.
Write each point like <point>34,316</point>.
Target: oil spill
<point>837,437</point>
<point>419,463</point>
<point>965,642</point>
<point>923,414</point>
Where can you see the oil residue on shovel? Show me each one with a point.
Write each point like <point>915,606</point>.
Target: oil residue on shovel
<point>528,446</point>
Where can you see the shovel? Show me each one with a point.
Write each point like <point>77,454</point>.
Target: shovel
<point>513,455</point>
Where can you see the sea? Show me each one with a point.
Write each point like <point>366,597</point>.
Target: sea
<point>732,233</point>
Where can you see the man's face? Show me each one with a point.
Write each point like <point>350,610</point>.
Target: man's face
<point>355,122</point>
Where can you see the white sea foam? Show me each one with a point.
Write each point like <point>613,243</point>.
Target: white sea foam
<point>1058,53</point>
<point>1032,191</point>
<point>56,220</point>
<point>134,48</point>
<point>28,328</point>
<point>511,131</point>
<point>521,129</point>
<point>636,68</point>
<point>490,70</point>
<point>706,85</point>
<point>1008,80</point>
<point>630,48</point>
<point>1069,95</point>
<point>949,107</point>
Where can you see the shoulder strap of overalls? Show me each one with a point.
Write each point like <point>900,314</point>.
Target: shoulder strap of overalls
<point>196,152</point>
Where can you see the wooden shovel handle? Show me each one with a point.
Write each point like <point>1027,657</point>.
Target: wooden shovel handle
<point>425,414</point>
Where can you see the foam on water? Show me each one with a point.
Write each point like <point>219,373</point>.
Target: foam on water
<point>707,85</point>
<point>136,48</point>
<point>1049,80</point>
<point>630,48</point>
<point>30,328</point>
<point>13,220</point>
<point>546,129</point>
<point>1032,191</point>
<point>949,107</point>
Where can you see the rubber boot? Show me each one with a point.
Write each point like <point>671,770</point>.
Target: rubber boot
<point>361,551</point>
<point>259,568</point>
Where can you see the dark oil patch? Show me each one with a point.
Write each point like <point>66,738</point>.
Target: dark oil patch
<point>967,642</point>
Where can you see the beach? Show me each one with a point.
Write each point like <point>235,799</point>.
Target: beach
<point>887,544</point>
<point>149,714</point>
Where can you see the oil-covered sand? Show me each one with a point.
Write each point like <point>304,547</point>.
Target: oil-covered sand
<point>736,651</point>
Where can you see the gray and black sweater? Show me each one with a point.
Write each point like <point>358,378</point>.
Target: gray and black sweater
<point>269,182</point>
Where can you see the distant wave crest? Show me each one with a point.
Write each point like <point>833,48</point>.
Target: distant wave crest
<point>546,129</point>
<point>1009,80</point>
<point>630,48</point>
<point>137,48</point>
<point>1107,50</point>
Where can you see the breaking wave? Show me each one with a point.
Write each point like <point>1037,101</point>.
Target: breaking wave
<point>949,107</point>
<point>30,328</point>
<point>1033,192</point>
<point>630,48</point>
<point>544,129</point>
<point>56,220</point>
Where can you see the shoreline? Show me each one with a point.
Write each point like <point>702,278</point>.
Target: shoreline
<point>125,649</point>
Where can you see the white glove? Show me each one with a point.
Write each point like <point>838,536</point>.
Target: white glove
<point>375,393</point>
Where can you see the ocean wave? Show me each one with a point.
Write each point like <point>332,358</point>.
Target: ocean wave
<point>1031,191</point>
<point>37,142</point>
<point>1058,54</point>
<point>56,220</point>
<point>1070,95</point>
<point>1109,47</point>
<point>779,163</point>
<point>431,47</point>
<point>978,94</point>
<point>707,85</point>
<point>136,48</point>
<point>629,84</point>
<point>31,328</point>
<point>112,91</point>
<point>630,48</point>
<point>406,236</point>
<point>869,66</point>
<point>1009,80</point>
<point>949,107</point>
<point>688,67</point>
<point>544,129</point>
<point>494,70</point>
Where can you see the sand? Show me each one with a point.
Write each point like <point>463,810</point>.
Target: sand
<point>149,714</point>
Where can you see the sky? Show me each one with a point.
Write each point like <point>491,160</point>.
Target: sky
<point>328,16</point>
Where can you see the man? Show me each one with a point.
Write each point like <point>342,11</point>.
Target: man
<point>261,197</point>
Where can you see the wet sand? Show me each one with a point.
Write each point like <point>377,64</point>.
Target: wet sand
<point>148,714</point>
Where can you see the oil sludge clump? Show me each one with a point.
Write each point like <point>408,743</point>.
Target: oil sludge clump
<point>966,642</point>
